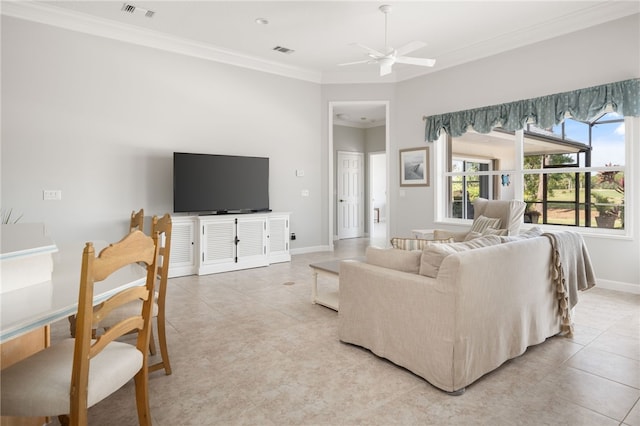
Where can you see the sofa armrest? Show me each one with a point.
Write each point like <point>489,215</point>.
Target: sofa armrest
<point>504,295</point>
<point>407,318</point>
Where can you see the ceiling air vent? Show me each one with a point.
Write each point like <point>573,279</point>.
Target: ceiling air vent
<point>283,50</point>
<point>129,8</point>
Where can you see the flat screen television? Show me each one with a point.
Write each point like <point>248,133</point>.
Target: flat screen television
<point>209,183</point>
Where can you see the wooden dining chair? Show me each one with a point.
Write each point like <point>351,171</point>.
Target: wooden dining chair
<point>162,226</point>
<point>137,221</point>
<point>67,378</point>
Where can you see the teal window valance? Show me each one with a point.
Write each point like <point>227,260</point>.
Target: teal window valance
<point>546,111</point>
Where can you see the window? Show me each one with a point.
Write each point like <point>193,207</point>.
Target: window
<point>570,175</point>
<point>465,188</point>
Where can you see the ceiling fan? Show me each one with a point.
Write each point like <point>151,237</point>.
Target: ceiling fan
<point>390,55</point>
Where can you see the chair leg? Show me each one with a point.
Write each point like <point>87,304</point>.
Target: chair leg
<point>164,352</point>
<point>142,397</point>
<point>152,342</point>
<point>72,325</point>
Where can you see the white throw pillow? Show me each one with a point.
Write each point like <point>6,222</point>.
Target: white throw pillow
<point>536,231</point>
<point>433,255</point>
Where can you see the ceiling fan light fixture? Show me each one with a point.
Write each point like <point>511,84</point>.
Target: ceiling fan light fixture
<point>386,61</point>
<point>389,56</point>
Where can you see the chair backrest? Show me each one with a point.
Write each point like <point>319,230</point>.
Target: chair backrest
<point>510,212</point>
<point>135,248</point>
<point>137,221</point>
<point>162,227</point>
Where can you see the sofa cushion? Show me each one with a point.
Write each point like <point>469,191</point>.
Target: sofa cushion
<point>415,243</point>
<point>433,255</point>
<point>392,258</point>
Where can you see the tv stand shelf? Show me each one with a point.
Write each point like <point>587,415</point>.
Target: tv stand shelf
<point>211,244</point>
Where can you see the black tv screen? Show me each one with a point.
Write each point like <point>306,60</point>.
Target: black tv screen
<point>220,183</point>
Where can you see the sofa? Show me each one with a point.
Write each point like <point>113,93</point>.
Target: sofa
<point>452,312</point>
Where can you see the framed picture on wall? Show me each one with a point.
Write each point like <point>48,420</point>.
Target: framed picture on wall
<point>414,167</point>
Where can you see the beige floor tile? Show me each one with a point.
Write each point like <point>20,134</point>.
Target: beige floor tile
<point>249,348</point>
<point>614,343</point>
<point>587,390</point>
<point>633,418</point>
<point>607,365</point>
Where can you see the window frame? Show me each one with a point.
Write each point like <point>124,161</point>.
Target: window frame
<point>632,138</point>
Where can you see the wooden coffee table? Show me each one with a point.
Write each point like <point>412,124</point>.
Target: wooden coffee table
<point>329,299</point>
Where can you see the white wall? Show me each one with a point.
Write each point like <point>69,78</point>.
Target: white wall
<point>602,54</point>
<point>99,119</point>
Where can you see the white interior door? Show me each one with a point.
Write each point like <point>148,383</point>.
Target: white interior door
<point>350,212</point>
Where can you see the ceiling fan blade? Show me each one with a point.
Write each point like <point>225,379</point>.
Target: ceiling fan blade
<point>366,61</point>
<point>416,61</point>
<point>385,69</point>
<point>410,47</point>
<point>371,51</point>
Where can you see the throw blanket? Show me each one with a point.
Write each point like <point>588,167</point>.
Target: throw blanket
<point>571,271</point>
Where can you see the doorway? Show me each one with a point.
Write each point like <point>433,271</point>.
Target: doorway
<point>358,111</point>
<point>350,186</point>
<point>377,198</point>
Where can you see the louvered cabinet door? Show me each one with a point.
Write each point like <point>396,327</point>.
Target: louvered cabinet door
<point>278,237</point>
<point>182,259</point>
<point>252,239</point>
<point>218,241</point>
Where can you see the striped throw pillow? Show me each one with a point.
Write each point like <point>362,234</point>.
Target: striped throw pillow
<point>481,223</point>
<point>415,243</point>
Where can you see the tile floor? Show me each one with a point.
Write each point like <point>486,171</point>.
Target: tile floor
<point>248,348</point>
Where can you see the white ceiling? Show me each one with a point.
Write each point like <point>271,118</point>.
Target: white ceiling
<point>321,33</point>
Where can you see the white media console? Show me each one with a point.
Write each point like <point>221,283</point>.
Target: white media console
<point>219,243</point>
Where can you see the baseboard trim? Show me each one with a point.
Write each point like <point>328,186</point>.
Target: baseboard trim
<point>618,286</point>
<point>312,249</point>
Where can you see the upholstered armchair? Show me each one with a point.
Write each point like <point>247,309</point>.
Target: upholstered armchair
<point>490,217</point>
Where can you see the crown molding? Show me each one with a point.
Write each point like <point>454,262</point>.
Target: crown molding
<point>80,22</point>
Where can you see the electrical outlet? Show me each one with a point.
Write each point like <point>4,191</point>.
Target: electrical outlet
<point>293,236</point>
<point>51,194</point>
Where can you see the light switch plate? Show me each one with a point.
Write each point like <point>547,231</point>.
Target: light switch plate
<point>51,194</point>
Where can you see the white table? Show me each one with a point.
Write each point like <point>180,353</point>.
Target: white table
<point>329,299</point>
<point>32,307</point>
